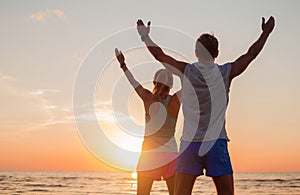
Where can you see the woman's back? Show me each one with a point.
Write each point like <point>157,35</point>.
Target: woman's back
<point>160,127</point>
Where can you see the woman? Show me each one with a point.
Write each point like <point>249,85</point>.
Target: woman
<point>159,151</point>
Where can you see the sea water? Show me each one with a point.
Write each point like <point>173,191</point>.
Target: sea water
<point>48,182</point>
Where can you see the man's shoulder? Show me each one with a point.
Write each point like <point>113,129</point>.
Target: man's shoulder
<point>188,67</point>
<point>226,65</point>
<point>225,68</point>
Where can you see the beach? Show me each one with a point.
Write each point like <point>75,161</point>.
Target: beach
<point>63,182</point>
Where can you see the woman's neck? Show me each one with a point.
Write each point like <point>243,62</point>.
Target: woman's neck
<point>164,96</point>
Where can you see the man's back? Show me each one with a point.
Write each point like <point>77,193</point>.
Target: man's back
<point>205,97</point>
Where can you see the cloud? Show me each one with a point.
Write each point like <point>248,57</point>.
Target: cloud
<point>58,13</point>
<point>42,16</point>
<point>7,78</point>
<point>38,16</point>
<point>103,112</point>
<point>31,108</point>
<point>44,91</point>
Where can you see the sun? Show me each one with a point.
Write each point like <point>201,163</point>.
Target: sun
<point>134,175</point>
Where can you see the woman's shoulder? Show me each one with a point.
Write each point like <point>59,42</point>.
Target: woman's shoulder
<point>151,98</point>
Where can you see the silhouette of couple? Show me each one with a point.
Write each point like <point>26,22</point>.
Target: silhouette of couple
<point>204,97</point>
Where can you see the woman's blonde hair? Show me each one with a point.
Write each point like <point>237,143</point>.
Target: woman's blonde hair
<point>163,81</point>
<point>159,89</point>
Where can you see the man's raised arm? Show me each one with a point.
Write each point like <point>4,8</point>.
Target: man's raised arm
<point>242,62</point>
<point>173,65</point>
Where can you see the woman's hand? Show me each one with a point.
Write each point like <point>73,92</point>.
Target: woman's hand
<point>120,56</point>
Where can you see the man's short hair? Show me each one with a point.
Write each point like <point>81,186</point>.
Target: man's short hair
<point>210,43</point>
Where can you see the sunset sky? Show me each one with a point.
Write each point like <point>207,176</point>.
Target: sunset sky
<point>45,46</point>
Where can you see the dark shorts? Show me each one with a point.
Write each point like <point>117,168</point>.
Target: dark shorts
<point>215,158</point>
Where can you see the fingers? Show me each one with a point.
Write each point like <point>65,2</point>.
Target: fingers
<point>117,52</point>
<point>140,22</point>
<point>271,20</point>
<point>269,25</point>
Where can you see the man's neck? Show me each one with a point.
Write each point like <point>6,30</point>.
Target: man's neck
<point>206,62</point>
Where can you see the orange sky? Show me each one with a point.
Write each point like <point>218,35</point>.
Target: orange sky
<point>55,149</point>
<point>44,44</point>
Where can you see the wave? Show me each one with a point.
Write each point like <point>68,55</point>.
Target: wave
<point>268,180</point>
<point>39,190</point>
<point>45,185</point>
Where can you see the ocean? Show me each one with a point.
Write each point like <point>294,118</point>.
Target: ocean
<point>49,182</point>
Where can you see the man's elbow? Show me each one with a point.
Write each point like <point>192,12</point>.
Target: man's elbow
<point>157,53</point>
<point>159,57</point>
<point>253,53</point>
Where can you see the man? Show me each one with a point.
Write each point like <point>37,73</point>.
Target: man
<point>204,146</point>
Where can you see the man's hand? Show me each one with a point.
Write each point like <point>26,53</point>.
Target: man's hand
<point>269,25</point>
<point>243,61</point>
<point>142,29</point>
<point>120,56</point>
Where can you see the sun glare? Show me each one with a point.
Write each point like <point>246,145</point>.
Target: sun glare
<point>134,175</point>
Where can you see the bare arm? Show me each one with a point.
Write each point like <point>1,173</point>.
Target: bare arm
<point>243,62</point>
<point>174,105</point>
<point>173,65</point>
<point>140,90</point>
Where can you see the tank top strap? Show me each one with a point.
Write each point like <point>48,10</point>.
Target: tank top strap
<point>166,101</point>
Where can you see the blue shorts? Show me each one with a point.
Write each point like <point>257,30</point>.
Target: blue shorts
<point>213,157</point>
